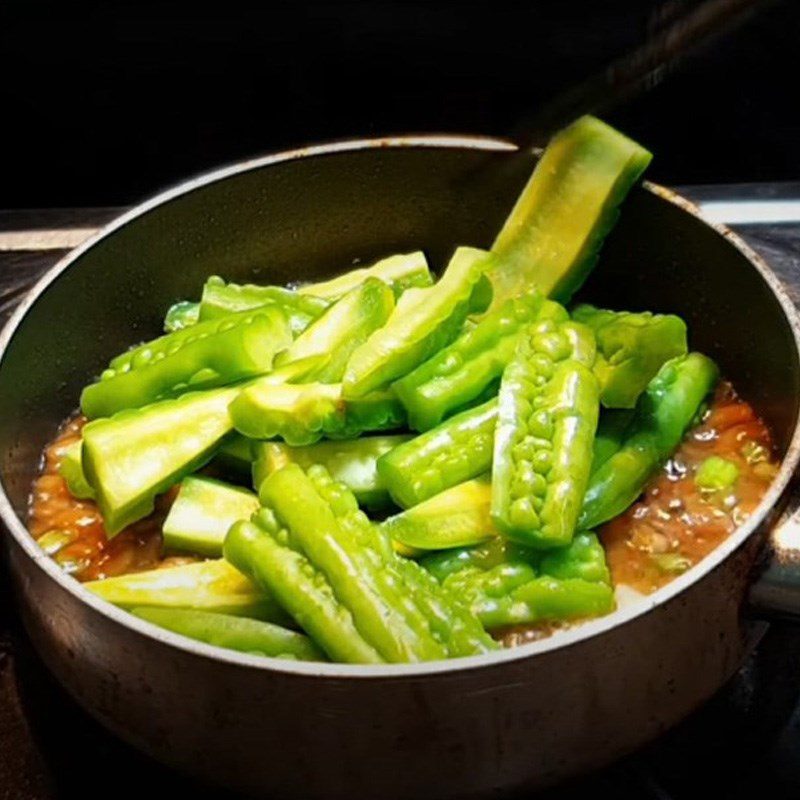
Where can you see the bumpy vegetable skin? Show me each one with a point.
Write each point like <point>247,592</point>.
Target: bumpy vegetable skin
<point>631,348</point>
<point>220,299</point>
<point>377,550</point>
<point>401,272</point>
<point>203,512</point>
<point>335,551</point>
<point>145,354</point>
<point>351,462</point>
<point>663,414</point>
<point>137,454</point>
<point>459,373</point>
<point>455,451</point>
<point>305,413</point>
<point>261,549</point>
<point>552,237</point>
<point>537,600</point>
<point>233,633</point>
<point>344,326</point>
<point>506,584</point>
<point>238,347</point>
<point>584,559</point>
<point>207,585</point>
<point>423,321</point>
<point>429,609</point>
<point>449,617</point>
<point>547,417</point>
<point>348,588</point>
<point>456,517</point>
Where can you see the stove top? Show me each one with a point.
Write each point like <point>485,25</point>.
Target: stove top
<point>743,743</point>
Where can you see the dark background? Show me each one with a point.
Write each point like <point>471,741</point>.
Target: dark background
<point>108,103</point>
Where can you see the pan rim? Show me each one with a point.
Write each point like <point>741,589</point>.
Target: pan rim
<point>569,637</point>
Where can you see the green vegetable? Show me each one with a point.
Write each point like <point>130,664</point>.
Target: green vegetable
<point>484,557</point>
<point>449,618</point>
<point>304,413</point>
<point>442,625</point>
<point>457,450</point>
<point>71,470</point>
<point>716,473</point>
<point>583,558</point>
<point>547,417</point>
<point>537,600</point>
<point>233,633</point>
<point>261,549</point>
<point>300,414</point>
<point>423,322</point>
<point>237,347</point>
<point>353,463</point>
<point>206,585</point>
<point>345,326</point>
<point>203,512</point>
<point>461,371</point>
<point>553,235</point>
<point>401,272</point>
<point>299,371</point>
<point>631,348</point>
<point>663,413</point>
<point>611,427</point>
<point>506,584</point>
<point>181,315</point>
<point>333,549</point>
<point>137,454</point>
<point>458,516</point>
<point>390,578</point>
<point>220,299</point>
<point>146,353</point>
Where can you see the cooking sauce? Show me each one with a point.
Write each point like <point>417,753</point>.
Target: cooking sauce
<point>72,531</point>
<point>676,522</point>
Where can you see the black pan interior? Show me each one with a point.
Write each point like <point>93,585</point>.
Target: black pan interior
<point>317,216</point>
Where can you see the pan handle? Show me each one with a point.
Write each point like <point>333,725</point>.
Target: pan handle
<point>775,594</point>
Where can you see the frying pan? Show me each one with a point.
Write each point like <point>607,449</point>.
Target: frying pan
<point>521,718</point>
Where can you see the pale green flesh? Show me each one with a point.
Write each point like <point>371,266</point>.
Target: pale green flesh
<point>342,328</point>
<point>424,321</point>
<point>402,272</point>
<point>554,232</point>
<point>135,455</point>
<point>208,585</point>
<point>456,517</point>
<point>71,470</point>
<point>203,512</point>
